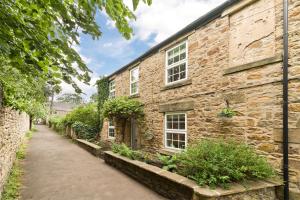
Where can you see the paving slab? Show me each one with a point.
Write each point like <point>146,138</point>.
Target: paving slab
<point>57,169</point>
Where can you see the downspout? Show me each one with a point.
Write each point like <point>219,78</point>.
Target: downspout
<point>285,102</point>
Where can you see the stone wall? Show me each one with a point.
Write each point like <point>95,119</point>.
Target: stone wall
<point>13,126</point>
<point>235,58</point>
<point>174,186</point>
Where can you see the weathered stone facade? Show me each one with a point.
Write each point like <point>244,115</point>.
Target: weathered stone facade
<point>13,126</point>
<point>237,58</point>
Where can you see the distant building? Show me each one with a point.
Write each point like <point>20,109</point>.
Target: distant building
<point>62,108</point>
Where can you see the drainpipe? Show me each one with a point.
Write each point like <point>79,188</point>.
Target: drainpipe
<point>285,102</point>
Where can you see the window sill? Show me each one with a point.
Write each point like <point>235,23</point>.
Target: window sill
<point>169,152</point>
<point>177,85</point>
<point>134,96</point>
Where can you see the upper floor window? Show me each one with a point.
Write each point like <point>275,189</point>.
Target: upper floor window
<point>176,63</point>
<point>112,89</point>
<point>175,130</point>
<point>134,81</point>
<point>111,129</point>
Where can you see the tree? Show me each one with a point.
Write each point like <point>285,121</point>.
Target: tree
<point>94,98</point>
<point>37,37</point>
<point>71,98</point>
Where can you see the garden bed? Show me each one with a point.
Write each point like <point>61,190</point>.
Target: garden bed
<point>174,186</point>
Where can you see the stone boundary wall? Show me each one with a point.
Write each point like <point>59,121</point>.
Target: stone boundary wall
<point>174,186</point>
<point>13,126</point>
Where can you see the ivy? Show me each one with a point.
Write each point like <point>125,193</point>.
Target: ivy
<point>103,92</point>
<point>123,108</point>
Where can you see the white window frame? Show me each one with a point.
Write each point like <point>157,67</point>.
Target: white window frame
<point>176,64</point>
<point>112,90</point>
<point>180,131</point>
<point>111,127</point>
<point>137,81</point>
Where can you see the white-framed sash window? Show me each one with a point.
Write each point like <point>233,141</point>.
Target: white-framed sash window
<point>175,130</point>
<point>134,81</point>
<point>176,63</point>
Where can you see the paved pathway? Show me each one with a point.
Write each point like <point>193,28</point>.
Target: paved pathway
<point>57,169</point>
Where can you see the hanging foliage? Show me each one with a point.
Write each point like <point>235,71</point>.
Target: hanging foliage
<point>103,92</point>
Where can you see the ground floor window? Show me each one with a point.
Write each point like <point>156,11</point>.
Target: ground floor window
<point>175,130</point>
<point>111,129</point>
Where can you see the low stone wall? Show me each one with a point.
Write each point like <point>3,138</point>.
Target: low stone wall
<point>13,126</point>
<point>90,147</point>
<point>174,186</point>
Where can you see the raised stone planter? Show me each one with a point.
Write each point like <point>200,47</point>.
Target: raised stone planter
<point>174,186</point>
<point>90,147</point>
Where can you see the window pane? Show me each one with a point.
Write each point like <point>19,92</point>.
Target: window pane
<point>182,145</point>
<point>182,67</point>
<point>169,125</point>
<point>182,137</point>
<point>182,75</point>
<point>169,136</point>
<point>175,144</point>
<point>182,125</point>
<point>135,74</point>
<point>176,70</point>
<point>176,59</point>
<point>182,117</point>
<point>169,143</point>
<point>176,77</point>
<point>175,140</point>
<point>170,71</point>
<point>176,50</point>
<point>175,136</point>
<point>182,47</point>
<point>182,56</point>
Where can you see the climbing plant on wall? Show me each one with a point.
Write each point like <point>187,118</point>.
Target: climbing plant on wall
<point>123,109</point>
<point>103,92</point>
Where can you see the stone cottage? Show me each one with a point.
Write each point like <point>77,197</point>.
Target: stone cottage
<point>230,57</point>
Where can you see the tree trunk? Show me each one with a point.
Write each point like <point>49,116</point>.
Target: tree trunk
<point>51,103</point>
<point>30,122</point>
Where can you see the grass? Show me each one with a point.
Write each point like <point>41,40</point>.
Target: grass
<point>12,187</point>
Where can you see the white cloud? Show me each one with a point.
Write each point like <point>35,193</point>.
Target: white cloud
<point>85,59</point>
<point>88,90</point>
<point>164,18</point>
<point>109,44</point>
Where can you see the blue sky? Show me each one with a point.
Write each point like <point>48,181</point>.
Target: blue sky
<point>153,24</point>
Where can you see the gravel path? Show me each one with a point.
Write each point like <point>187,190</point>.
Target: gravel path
<point>57,169</point>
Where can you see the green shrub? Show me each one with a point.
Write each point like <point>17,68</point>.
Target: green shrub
<point>86,114</point>
<point>219,162</point>
<point>57,123</point>
<point>84,131</point>
<point>125,151</point>
<point>168,162</point>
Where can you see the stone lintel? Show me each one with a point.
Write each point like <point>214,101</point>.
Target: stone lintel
<point>177,85</point>
<point>294,135</point>
<point>255,64</point>
<point>174,107</point>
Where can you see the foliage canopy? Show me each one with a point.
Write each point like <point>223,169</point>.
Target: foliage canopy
<point>123,108</point>
<point>37,39</point>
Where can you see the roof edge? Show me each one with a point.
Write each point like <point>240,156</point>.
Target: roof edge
<point>203,20</point>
